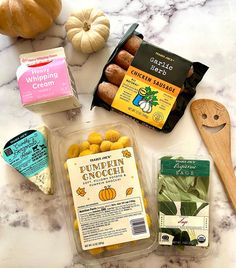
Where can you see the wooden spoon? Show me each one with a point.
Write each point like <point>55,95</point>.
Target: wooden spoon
<point>213,122</point>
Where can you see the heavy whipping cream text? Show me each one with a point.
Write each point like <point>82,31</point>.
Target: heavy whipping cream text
<point>102,169</point>
<point>41,78</point>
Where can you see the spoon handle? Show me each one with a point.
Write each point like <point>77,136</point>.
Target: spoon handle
<point>222,159</point>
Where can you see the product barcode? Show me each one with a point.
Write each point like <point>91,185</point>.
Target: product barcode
<point>94,244</point>
<point>138,226</point>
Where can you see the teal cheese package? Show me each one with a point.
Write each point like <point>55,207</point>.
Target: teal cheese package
<point>29,154</point>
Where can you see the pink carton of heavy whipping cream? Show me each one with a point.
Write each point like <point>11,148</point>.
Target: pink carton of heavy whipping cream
<point>45,83</point>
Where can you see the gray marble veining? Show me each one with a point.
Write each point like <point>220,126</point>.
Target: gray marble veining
<point>32,226</point>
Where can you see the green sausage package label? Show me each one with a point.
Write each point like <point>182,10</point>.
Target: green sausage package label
<point>28,153</point>
<point>183,202</point>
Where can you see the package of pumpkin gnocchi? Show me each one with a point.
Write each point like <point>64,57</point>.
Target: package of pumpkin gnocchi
<point>183,200</point>
<point>108,206</point>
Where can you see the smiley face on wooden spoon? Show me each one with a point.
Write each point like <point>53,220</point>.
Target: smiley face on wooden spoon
<point>210,115</point>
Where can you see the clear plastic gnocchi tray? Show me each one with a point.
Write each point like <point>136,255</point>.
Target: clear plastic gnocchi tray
<point>108,206</point>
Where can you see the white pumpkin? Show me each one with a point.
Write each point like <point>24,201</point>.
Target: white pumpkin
<point>88,30</point>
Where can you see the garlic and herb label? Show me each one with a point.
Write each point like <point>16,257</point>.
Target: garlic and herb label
<point>151,85</point>
<point>107,198</point>
<point>183,202</point>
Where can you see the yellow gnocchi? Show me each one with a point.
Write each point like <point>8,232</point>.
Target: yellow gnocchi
<point>84,145</point>
<point>105,146</point>
<point>86,152</point>
<point>76,227</point>
<point>73,151</point>
<point>143,192</point>
<point>65,166</point>
<point>116,145</point>
<point>96,251</point>
<point>113,247</point>
<point>95,138</point>
<point>125,141</point>
<point>67,177</point>
<point>145,203</point>
<point>95,148</point>
<point>149,221</point>
<point>112,135</point>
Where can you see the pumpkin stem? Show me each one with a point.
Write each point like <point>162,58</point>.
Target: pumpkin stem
<point>86,26</point>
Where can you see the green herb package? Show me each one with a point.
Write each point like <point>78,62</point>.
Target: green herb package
<point>183,204</point>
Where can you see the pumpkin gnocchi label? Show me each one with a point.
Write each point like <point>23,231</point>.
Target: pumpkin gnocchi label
<point>151,85</point>
<point>107,198</point>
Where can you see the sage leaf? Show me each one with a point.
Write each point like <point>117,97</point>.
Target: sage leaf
<point>168,207</point>
<point>171,231</point>
<point>193,242</point>
<point>200,208</point>
<point>188,208</point>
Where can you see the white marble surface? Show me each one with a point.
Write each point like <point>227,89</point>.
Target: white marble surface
<point>32,228</point>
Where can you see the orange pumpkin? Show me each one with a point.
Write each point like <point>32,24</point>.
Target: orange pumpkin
<point>107,194</point>
<point>27,18</point>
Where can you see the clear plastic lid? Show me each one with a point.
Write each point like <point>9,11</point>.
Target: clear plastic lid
<point>137,196</point>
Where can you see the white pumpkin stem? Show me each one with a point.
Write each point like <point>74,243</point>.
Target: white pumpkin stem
<point>86,26</point>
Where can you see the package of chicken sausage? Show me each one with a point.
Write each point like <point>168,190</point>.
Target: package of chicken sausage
<point>147,83</point>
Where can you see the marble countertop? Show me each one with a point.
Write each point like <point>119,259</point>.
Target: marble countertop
<point>32,227</point>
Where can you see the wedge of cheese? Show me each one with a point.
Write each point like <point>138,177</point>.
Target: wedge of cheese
<point>29,153</point>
